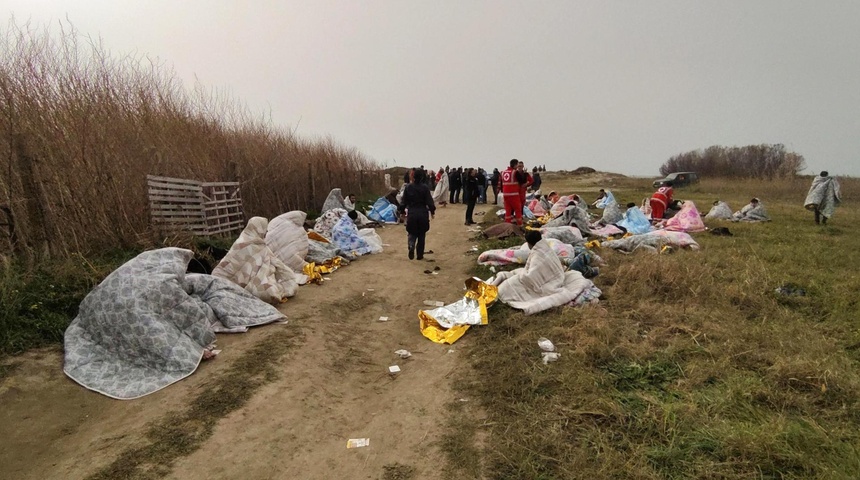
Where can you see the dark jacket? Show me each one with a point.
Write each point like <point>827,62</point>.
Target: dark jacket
<point>454,180</point>
<point>418,200</point>
<point>536,181</point>
<point>470,192</point>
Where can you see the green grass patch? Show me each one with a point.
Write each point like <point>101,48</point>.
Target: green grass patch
<point>692,366</point>
<point>37,302</point>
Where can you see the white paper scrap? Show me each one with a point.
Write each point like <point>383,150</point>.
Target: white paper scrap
<point>383,319</point>
<point>357,442</point>
<point>403,353</point>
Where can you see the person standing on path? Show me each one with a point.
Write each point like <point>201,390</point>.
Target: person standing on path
<point>482,185</point>
<point>495,181</point>
<point>419,207</point>
<point>511,180</point>
<point>470,194</point>
<point>454,184</point>
<point>823,197</point>
<point>524,185</point>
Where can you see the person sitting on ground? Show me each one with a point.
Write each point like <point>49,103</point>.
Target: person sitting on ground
<point>646,207</point>
<point>349,202</point>
<point>353,215</point>
<point>600,196</point>
<point>720,211</point>
<point>545,203</point>
<point>580,263</point>
<point>634,220</point>
<point>533,237</point>
<point>752,212</point>
<point>660,201</point>
<point>823,197</point>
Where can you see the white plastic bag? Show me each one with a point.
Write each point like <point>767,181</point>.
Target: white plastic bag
<point>546,345</point>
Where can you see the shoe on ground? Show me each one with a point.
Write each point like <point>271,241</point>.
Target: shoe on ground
<point>411,254</point>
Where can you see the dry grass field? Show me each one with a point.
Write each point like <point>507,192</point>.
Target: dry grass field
<point>691,366</point>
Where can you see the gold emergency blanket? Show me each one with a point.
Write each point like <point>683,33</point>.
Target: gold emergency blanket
<point>448,323</point>
<point>315,272</point>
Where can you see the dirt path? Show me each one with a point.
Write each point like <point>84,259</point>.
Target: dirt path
<point>332,387</point>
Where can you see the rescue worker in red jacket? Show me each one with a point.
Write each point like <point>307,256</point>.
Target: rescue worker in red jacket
<point>661,200</point>
<point>511,181</point>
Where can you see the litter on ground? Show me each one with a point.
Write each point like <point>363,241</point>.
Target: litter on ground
<point>357,442</point>
<point>546,345</point>
<point>550,357</point>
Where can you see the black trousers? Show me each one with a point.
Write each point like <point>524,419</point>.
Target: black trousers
<point>416,242</point>
<point>470,207</point>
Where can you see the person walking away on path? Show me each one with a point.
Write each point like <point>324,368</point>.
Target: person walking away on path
<point>536,180</point>
<point>823,197</point>
<point>511,180</point>
<point>470,194</point>
<point>660,201</point>
<point>495,180</point>
<point>419,207</point>
<point>455,185</point>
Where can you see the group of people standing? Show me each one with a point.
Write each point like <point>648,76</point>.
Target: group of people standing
<point>425,189</point>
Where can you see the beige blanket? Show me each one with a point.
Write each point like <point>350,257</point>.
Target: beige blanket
<point>251,264</point>
<point>540,285</point>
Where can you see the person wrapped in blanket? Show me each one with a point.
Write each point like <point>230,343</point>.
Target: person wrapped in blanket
<point>751,212</point>
<point>580,263</point>
<point>823,197</point>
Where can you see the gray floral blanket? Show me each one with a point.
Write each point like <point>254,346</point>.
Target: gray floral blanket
<point>147,324</point>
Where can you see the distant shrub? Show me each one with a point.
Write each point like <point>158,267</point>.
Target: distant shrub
<point>751,161</point>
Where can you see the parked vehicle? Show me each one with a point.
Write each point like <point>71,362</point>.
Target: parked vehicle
<point>678,179</point>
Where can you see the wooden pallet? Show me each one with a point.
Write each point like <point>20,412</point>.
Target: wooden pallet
<point>199,208</point>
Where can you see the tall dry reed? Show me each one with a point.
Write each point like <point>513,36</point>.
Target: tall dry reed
<point>96,124</point>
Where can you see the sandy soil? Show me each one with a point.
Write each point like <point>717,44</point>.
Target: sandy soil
<point>333,387</point>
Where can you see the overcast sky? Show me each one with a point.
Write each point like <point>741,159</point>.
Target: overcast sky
<point>617,86</point>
